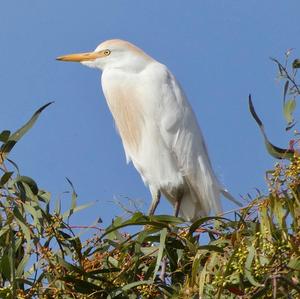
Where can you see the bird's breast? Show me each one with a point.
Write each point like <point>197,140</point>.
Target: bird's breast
<point>126,107</point>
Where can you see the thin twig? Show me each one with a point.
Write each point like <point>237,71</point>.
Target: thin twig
<point>238,209</point>
<point>86,226</point>
<point>287,74</point>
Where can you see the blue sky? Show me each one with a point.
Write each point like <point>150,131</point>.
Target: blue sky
<point>218,50</point>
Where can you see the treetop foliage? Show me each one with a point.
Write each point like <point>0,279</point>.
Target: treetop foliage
<point>252,252</point>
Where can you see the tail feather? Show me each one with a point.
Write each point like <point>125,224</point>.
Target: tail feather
<point>200,199</point>
<point>226,194</point>
<point>194,207</point>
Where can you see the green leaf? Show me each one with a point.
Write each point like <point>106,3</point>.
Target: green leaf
<point>4,135</point>
<point>4,179</point>
<point>6,292</point>
<point>118,292</point>
<point>22,265</point>
<point>135,284</point>
<point>288,109</point>
<point>113,262</point>
<point>201,221</point>
<point>24,226</point>
<point>279,212</point>
<point>57,208</point>
<point>44,196</point>
<point>14,165</point>
<point>24,129</point>
<point>294,264</point>
<point>195,267</point>
<point>4,230</point>
<point>36,215</point>
<point>265,222</point>
<point>162,244</point>
<point>248,267</point>
<point>30,182</point>
<point>69,266</point>
<point>285,90</point>
<point>77,209</point>
<point>82,286</point>
<point>166,218</point>
<point>273,150</point>
<point>296,63</point>
<point>150,251</point>
<point>280,67</point>
<point>137,219</point>
<point>140,240</point>
<point>202,278</point>
<point>211,248</point>
<point>74,199</point>
<point>103,271</point>
<point>6,148</point>
<point>15,137</point>
<point>5,266</point>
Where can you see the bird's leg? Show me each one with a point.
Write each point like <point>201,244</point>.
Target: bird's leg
<point>177,206</point>
<point>155,201</point>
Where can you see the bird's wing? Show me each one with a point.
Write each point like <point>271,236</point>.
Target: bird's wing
<point>182,135</point>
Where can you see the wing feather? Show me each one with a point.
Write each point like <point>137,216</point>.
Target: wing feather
<point>182,135</point>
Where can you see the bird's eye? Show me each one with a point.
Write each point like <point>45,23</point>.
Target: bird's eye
<point>106,52</point>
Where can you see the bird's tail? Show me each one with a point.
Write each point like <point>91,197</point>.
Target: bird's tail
<point>226,194</point>
<point>193,207</point>
<point>202,195</point>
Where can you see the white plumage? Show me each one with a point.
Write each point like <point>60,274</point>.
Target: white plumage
<point>158,128</point>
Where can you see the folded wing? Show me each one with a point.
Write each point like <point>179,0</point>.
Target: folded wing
<point>182,135</point>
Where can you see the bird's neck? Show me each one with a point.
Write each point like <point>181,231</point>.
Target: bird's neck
<point>134,64</point>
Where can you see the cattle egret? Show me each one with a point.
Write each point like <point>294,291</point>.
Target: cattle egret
<point>158,128</point>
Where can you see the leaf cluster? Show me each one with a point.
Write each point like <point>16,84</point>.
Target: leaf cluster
<point>251,253</point>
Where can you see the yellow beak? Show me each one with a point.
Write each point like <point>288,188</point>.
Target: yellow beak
<point>81,56</point>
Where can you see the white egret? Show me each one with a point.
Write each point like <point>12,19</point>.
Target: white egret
<point>158,128</point>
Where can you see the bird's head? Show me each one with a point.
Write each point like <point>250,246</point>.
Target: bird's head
<point>111,54</point>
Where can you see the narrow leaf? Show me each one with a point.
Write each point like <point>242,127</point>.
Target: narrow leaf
<point>4,179</point>
<point>248,267</point>
<point>69,266</point>
<point>22,265</point>
<point>202,279</point>
<point>30,182</point>
<point>24,129</point>
<point>285,90</point>
<point>4,135</point>
<point>77,209</point>
<point>7,147</point>
<point>162,244</point>
<point>14,165</point>
<point>288,109</point>
<point>167,218</point>
<point>57,208</point>
<point>211,248</point>
<point>74,199</point>
<point>273,150</point>
<point>136,283</point>
<point>201,221</point>
<point>294,264</point>
<point>82,286</point>
<point>15,137</point>
<point>24,227</point>
<point>296,63</point>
